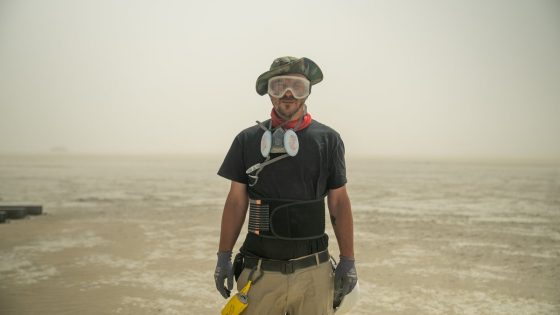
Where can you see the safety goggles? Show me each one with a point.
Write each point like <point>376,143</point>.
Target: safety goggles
<point>278,86</point>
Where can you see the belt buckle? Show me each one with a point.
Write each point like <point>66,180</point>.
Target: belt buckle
<point>287,268</point>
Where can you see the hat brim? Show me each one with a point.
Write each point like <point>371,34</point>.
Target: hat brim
<point>303,66</point>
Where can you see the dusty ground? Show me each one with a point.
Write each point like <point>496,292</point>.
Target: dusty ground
<point>139,235</point>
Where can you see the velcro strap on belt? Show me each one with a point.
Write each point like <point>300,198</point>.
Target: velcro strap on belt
<point>287,266</point>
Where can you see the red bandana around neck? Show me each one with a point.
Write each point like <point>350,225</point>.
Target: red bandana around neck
<point>277,120</point>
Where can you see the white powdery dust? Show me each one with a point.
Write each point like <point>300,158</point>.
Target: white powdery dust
<point>548,254</point>
<point>86,239</point>
<point>534,231</point>
<point>405,255</point>
<point>479,273</point>
<point>168,246</point>
<point>195,248</point>
<point>11,261</point>
<point>516,219</point>
<point>390,262</point>
<point>418,300</point>
<point>34,274</point>
<point>110,261</point>
<point>192,285</point>
<point>478,302</point>
<point>371,236</point>
<point>196,288</point>
<point>21,270</point>
<point>19,264</point>
<point>412,251</point>
<point>459,245</point>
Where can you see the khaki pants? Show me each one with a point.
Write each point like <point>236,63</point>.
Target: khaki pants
<point>307,291</point>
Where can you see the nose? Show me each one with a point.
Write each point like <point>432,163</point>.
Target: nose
<point>288,93</point>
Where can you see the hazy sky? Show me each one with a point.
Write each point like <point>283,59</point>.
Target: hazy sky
<point>402,78</point>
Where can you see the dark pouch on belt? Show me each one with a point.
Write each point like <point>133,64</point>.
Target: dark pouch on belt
<point>238,265</point>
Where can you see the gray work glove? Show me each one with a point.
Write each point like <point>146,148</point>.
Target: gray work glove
<point>224,269</point>
<point>345,279</point>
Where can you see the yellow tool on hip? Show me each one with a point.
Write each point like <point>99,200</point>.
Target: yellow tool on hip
<point>237,303</point>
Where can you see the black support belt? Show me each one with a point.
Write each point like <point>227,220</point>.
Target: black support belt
<point>287,266</point>
<point>287,219</point>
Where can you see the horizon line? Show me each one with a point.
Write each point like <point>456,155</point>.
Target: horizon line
<point>349,156</point>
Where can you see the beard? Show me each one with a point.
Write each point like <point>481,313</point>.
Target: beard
<point>288,107</point>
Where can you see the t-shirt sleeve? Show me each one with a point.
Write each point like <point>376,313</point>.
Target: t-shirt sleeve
<point>233,167</point>
<point>337,175</point>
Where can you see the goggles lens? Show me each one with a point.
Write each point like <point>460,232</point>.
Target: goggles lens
<point>278,86</point>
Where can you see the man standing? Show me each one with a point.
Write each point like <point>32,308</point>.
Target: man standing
<point>282,169</point>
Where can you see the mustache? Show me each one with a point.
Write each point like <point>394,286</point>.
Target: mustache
<point>287,98</point>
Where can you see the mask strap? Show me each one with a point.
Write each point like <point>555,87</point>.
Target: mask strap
<point>261,125</point>
<point>260,166</point>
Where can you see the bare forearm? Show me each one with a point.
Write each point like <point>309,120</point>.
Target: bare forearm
<point>343,225</point>
<point>233,218</point>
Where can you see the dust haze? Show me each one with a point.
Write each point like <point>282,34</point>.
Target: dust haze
<point>402,78</point>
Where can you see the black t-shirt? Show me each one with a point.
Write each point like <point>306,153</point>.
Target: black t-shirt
<point>318,167</point>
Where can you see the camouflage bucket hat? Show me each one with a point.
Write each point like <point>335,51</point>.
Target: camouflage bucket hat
<point>284,65</point>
